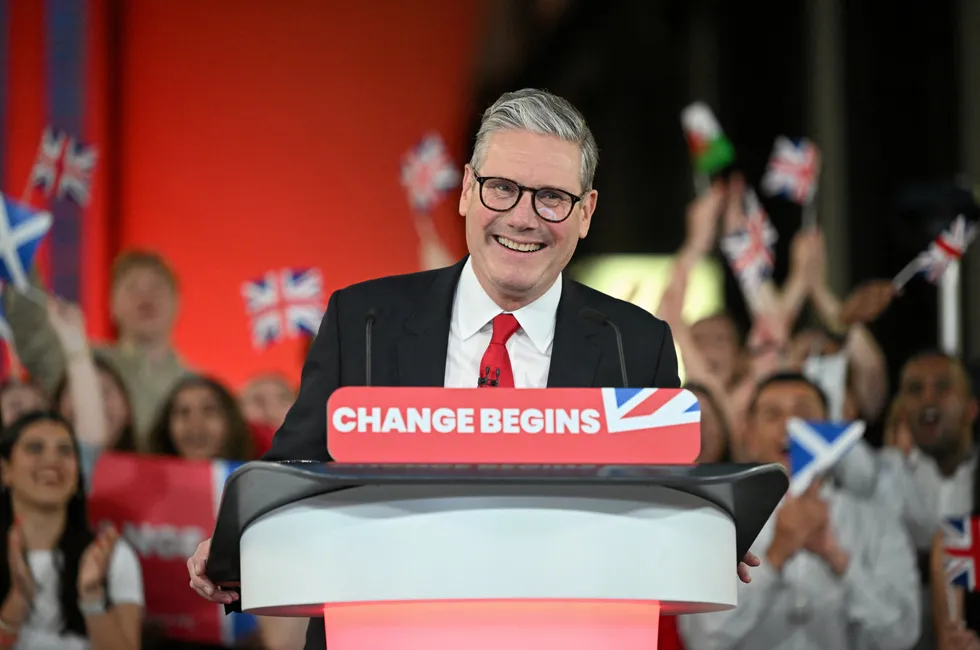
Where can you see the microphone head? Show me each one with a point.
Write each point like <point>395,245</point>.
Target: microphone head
<point>371,314</point>
<point>594,315</point>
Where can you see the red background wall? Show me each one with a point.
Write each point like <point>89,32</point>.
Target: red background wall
<point>239,136</point>
<point>258,135</point>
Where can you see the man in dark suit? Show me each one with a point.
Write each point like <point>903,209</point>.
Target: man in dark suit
<point>505,315</point>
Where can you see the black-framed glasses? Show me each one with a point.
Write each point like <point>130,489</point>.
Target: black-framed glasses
<point>549,203</point>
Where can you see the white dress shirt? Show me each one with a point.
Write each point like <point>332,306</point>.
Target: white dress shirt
<point>874,605</point>
<point>911,487</point>
<point>472,325</point>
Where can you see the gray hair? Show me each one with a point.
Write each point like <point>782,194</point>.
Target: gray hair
<point>539,111</point>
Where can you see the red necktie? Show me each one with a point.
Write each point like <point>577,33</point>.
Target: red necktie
<point>495,367</point>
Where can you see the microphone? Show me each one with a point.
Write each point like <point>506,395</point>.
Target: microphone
<point>599,318</point>
<point>369,319</point>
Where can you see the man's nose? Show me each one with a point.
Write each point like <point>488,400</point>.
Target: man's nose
<point>522,215</point>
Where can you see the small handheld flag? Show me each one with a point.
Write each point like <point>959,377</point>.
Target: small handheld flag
<point>749,250</point>
<point>282,303</point>
<point>961,550</point>
<point>710,150</point>
<point>21,231</point>
<point>63,166</point>
<point>428,173</point>
<point>815,447</point>
<point>947,248</point>
<point>792,172</point>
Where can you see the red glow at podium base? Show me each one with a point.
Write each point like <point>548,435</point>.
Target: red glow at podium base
<point>494,625</point>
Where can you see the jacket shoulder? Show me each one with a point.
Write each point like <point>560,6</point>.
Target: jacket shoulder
<point>624,314</point>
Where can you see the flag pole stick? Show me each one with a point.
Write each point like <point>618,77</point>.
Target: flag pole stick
<point>905,275</point>
<point>809,214</point>
<point>949,309</point>
<point>701,184</point>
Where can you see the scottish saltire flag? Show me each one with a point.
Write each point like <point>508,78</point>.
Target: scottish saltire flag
<point>749,251</point>
<point>428,173</point>
<point>945,249</point>
<point>710,150</point>
<point>21,230</point>
<point>961,551</point>
<point>64,166</point>
<point>793,169</point>
<point>164,525</point>
<point>284,303</point>
<point>636,409</point>
<point>815,447</point>
<point>6,334</point>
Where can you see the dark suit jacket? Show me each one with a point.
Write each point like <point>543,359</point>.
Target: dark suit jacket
<point>409,343</point>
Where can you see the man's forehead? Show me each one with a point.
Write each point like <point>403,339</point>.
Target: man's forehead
<point>929,367</point>
<point>785,391</point>
<point>532,158</point>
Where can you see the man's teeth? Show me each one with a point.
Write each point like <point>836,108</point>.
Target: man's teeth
<point>929,415</point>
<point>516,246</point>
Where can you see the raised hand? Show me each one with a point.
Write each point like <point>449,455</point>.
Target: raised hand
<point>702,220</point>
<point>68,324</point>
<point>94,565</point>
<point>21,578</point>
<point>867,302</point>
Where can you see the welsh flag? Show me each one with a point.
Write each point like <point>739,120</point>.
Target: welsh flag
<point>711,151</point>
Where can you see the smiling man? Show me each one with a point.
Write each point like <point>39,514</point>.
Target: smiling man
<point>504,316</point>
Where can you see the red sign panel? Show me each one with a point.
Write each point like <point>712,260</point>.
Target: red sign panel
<point>636,426</point>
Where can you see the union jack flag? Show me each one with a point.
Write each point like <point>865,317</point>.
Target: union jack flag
<point>948,247</point>
<point>961,551</point>
<point>428,173</point>
<point>64,166</point>
<point>792,170</point>
<point>638,409</point>
<point>284,303</point>
<point>749,251</point>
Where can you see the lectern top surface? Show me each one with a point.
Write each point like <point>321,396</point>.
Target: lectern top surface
<point>748,493</point>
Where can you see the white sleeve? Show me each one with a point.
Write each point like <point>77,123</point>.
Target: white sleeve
<point>125,576</point>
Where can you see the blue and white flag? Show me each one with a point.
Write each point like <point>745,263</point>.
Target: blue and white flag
<point>21,230</point>
<point>815,447</point>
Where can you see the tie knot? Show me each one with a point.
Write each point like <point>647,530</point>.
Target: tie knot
<point>504,326</point>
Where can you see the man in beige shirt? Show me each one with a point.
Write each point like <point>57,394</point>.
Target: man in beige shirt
<point>144,308</point>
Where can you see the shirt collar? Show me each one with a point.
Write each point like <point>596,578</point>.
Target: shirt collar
<point>474,310</point>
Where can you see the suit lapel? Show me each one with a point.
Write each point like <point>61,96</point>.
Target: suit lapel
<point>424,345</point>
<point>574,355</point>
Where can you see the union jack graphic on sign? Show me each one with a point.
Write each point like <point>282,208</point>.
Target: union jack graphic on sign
<point>635,409</point>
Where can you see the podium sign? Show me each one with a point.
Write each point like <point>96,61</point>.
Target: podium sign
<point>618,426</point>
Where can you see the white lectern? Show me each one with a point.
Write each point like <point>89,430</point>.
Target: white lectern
<point>570,557</point>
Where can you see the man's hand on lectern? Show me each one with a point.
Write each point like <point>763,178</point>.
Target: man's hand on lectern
<point>200,583</point>
<point>751,559</point>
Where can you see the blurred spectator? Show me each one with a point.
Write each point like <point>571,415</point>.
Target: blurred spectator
<point>266,399</point>
<point>19,397</point>
<point>64,587</point>
<point>201,420</point>
<point>715,427</point>
<point>144,307</point>
<point>836,573</point>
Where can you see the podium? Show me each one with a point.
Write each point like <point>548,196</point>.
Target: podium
<point>570,557</point>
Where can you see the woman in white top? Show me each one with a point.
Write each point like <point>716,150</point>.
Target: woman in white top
<point>62,587</point>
